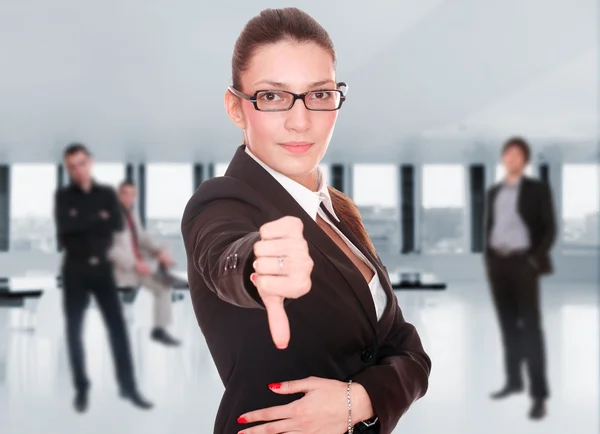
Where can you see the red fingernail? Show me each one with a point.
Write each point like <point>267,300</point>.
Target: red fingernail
<point>274,386</point>
<point>253,277</point>
<point>242,420</point>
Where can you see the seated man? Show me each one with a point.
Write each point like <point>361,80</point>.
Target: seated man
<point>131,252</point>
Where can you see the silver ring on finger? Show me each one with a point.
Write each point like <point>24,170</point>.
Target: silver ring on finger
<point>280,259</point>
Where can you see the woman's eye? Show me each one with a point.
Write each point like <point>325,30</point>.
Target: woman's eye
<point>271,96</point>
<point>320,95</point>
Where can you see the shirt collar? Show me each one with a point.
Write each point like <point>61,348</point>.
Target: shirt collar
<point>309,200</point>
<point>517,184</point>
<point>76,187</point>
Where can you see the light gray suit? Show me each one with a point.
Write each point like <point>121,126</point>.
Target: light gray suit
<point>123,257</point>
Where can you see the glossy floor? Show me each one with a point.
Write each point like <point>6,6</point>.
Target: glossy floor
<point>457,326</point>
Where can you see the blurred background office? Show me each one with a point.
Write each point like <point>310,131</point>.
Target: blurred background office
<point>435,87</point>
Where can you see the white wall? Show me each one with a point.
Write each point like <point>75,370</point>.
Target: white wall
<point>432,81</point>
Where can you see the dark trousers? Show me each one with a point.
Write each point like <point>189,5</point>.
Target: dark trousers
<point>515,289</point>
<point>80,282</point>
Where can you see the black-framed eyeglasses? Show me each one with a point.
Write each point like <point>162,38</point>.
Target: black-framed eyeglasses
<point>282,100</point>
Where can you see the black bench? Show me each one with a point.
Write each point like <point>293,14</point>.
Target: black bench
<point>128,294</point>
<point>416,280</point>
<point>403,286</point>
<point>18,291</point>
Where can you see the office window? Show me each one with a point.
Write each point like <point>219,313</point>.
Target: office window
<point>168,190</point>
<point>501,172</point>
<point>580,208</point>
<point>326,171</point>
<point>443,208</point>
<point>221,168</point>
<point>375,192</point>
<point>32,207</point>
<point>109,173</point>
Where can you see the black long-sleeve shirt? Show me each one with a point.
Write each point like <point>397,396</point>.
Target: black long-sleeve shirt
<point>81,229</point>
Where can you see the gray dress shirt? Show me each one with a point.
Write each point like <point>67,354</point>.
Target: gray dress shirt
<point>509,231</point>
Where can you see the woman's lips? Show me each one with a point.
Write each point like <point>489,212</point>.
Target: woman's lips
<point>297,147</point>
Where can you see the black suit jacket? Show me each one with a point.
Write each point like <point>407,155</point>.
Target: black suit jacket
<point>334,330</point>
<point>536,208</point>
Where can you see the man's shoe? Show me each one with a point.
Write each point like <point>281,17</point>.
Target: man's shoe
<point>538,409</point>
<point>81,401</point>
<point>162,336</point>
<point>136,399</point>
<point>506,392</point>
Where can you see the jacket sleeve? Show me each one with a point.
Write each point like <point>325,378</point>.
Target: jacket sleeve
<point>548,221</point>
<point>400,376</point>
<point>220,246</point>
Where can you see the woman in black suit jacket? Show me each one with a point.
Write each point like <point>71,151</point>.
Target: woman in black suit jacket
<point>271,249</point>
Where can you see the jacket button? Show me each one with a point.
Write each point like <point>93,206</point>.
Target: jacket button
<point>366,355</point>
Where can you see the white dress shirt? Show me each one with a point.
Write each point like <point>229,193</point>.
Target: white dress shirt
<point>310,201</point>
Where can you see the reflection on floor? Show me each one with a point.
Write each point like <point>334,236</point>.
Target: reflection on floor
<point>457,326</point>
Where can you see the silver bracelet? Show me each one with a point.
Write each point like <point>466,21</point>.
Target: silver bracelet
<point>350,427</point>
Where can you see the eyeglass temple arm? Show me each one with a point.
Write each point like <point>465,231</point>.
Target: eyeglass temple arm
<point>345,86</point>
<point>241,94</point>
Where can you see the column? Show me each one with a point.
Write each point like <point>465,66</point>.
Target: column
<point>337,177</point>
<point>198,175</point>
<point>544,172</point>
<point>60,182</point>
<point>129,173</point>
<point>555,178</point>
<point>407,192</point>
<point>4,207</point>
<point>61,177</point>
<point>476,209</point>
<point>141,188</point>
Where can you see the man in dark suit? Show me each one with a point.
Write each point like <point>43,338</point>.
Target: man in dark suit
<point>86,215</point>
<point>520,231</point>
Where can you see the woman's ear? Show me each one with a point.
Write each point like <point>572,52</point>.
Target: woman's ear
<point>234,110</point>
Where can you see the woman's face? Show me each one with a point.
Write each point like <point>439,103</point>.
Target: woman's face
<point>291,142</point>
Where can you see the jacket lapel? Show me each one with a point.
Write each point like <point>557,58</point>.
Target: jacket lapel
<point>381,270</point>
<point>244,168</point>
<point>522,197</point>
<point>350,272</point>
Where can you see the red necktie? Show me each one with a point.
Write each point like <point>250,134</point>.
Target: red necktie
<point>134,240</point>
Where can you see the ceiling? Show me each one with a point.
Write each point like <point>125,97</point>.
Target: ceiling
<point>145,80</point>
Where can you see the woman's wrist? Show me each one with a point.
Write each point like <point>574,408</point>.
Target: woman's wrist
<point>361,403</point>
